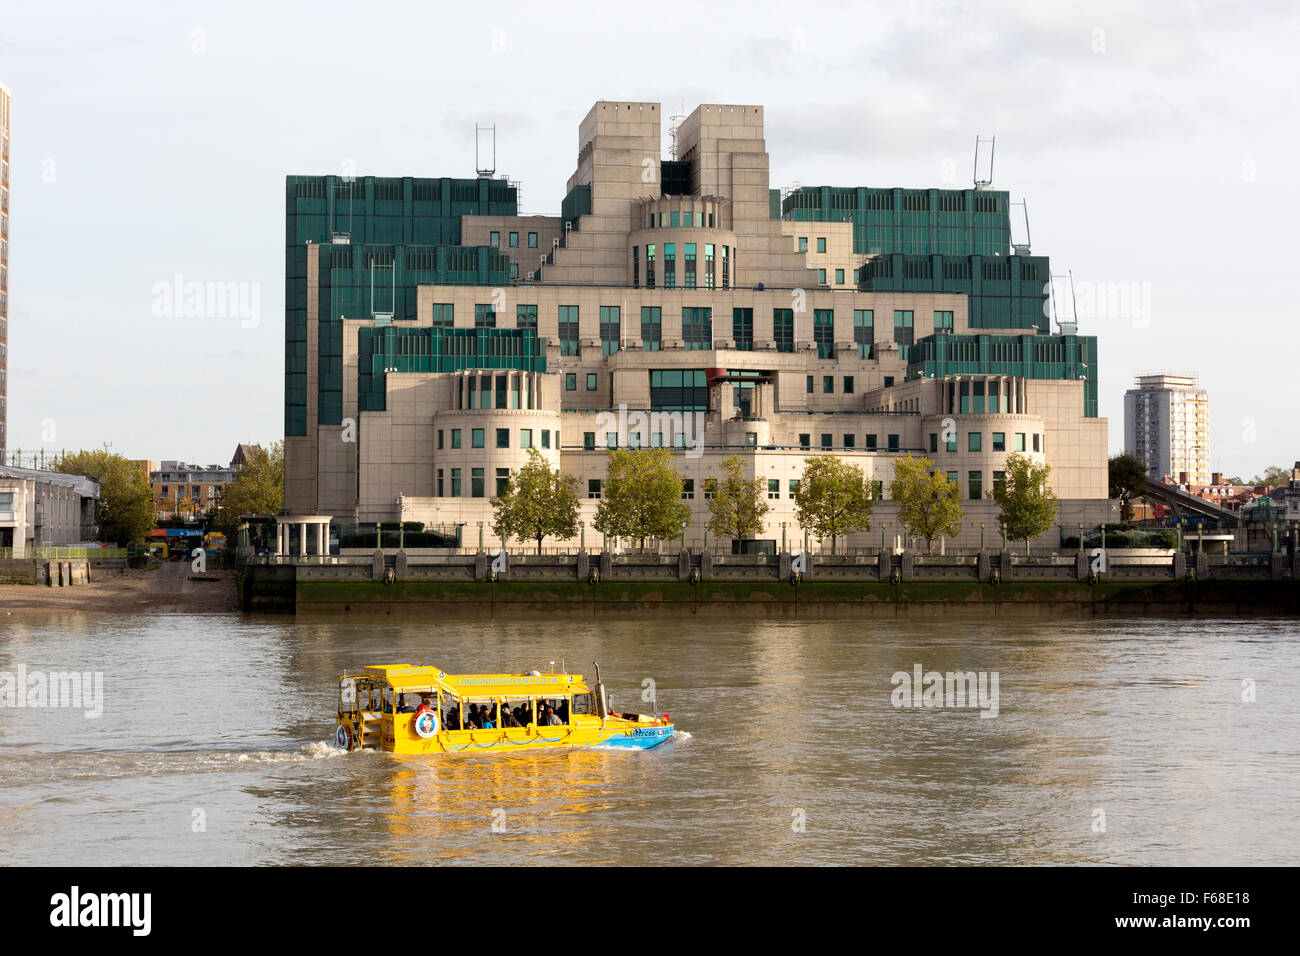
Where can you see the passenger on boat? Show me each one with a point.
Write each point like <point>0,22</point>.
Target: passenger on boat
<point>425,704</point>
<point>549,719</point>
<point>407,704</point>
<point>509,718</point>
<point>485,716</point>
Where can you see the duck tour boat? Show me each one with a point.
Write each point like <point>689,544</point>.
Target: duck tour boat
<point>405,709</point>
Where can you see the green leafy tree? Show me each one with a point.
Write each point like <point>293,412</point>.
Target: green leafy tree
<point>929,505</point>
<point>1273,476</point>
<point>125,501</point>
<point>833,498</point>
<point>1128,480</point>
<point>258,487</point>
<point>737,508</point>
<point>1028,504</point>
<point>642,496</point>
<point>538,503</point>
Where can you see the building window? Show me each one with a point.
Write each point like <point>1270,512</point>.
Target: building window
<point>494,239</point>
<point>525,438</point>
<point>863,331</point>
<point>689,282</point>
<point>774,488</point>
<point>568,329</point>
<point>526,316</point>
<point>999,479</point>
<point>950,444</point>
<point>589,441</point>
<point>975,481</point>
<point>934,442</point>
<point>889,381</point>
<point>999,441</point>
<point>593,488</point>
<point>514,240</point>
<point>952,477</point>
<point>444,315</point>
<point>821,243</point>
<point>828,384</point>
<point>439,447</point>
<point>670,265</point>
<point>636,267</point>
<point>839,277</point>
<point>803,243</point>
<point>570,381</point>
<point>903,328</point>
<point>742,329</point>
<point>821,276</point>
<point>824,332</point>
<point>972,441</point>
<point>650,266</point>
<point>455,438</point>
<point>697,329</point>
<point>651,328</point>
<point>503,477</point>
<point>476,438</point>
<point>783,329</point>
<point>503,438</point>
<point>591,381</point>
<point>893,443</point>
<point>708,261</point>
<point>1036,441</point>
<point>440,483</point>
<point>532,240</point>
<point>546,438</point>
<point>850,441</point>
<point>827,440</point>
<point>455,482</point>
<point>805,440</point>
<point>793,487</point>
<point>871,442</point>
<point>485,317</point>
<point>476,482</point>
<point>943,321</point>
<point>1020,441</point>
<point>848,384</point>
<point>710,489</point>
<point>611,439</point>
<point>610,329</point>
<point>809,387</point>
<point>688,489</point>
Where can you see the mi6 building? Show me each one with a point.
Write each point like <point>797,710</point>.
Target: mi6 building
<point>434,336</point>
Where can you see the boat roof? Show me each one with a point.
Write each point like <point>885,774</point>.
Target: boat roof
<point>404,676</point>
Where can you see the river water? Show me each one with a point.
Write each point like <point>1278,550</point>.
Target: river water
<point>1115,742</point>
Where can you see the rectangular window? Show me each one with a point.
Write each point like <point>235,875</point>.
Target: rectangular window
<point>976,489</point>
<point>999,479</point>
<point>688,488</point>
<point>532,240</point>
<point>591,381</point>
<point>774,488</point>
<point>827,440</point>
<point>589,441</point>
<point>568,329</point>
<point>839,277</point>
<point>503,480</point>
<point>850,441</point>
<point>611,439</point>
<point>893,443</point>
<point>439,439</point>
<point>821,243</point>
<point>889,381</point>
<point>999,441</point>
<point>742,329</point>
<point>440,483</point>
<point>494,239</point>
<point>863,331</point>
<point>444,315</point>
<point>455,482</point>
<point>476,482</point>
<point>697,329</point>
<point>455,438</point>
<point>943,321</point>
<point>783,329</point>
<point>525,438</point>
<point>476,438</point>
<point>809,387</point>
<point>952,477</point>
<point>526,316</point>
<point>1036,441</point>
<point>689,278</point>
<point>651,328</point>
<point>821,276</point>
<point>793,486</point>
<point>650,265</point>
<point>670,265</point>
<point>593,488</point>
<point>514,240</point>
<point>934,442</point>
<point>972,441</point>
<point>824,332</point>
<point>871,443</point>
<point>610,329</point>
<point>903,327</point>
<point>485,317</point>
<point>803,243</point>
<point>570,381</point>
<point>950,444</point>
<point>805,440</point>
<point>1020,441</point>
<point>828,384</point>
<point>708,262</point>
<point>710,489</point>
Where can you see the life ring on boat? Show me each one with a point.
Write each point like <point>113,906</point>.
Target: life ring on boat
<point>343,738</point>
<point>426,723</point>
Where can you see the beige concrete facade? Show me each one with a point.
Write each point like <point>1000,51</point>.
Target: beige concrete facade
<point>774,407</point>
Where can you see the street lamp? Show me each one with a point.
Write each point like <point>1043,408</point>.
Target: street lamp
<point>480,535</point>
<point>582,536</point>
<point>683,535</point>
<point>981,536</point>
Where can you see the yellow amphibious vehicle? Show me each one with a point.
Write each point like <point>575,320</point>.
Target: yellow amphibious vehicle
<point>422,710</point>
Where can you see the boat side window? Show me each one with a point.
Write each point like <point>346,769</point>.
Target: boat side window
<point>582,703</point>
<point>388,700</point>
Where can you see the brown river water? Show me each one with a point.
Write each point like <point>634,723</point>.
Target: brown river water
<point>1115,741</point>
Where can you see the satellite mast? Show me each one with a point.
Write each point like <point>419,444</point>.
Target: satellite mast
<point>676,120</point>
<point>992,144</point>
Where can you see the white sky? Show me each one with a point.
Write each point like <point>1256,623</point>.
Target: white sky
<point>1156,147</point>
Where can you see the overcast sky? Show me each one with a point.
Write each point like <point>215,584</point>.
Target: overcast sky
<point>1156,147</point>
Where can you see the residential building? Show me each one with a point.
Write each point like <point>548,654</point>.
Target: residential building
<point>667,305</point>
<point>45,508</point>
<point>1167,426</point>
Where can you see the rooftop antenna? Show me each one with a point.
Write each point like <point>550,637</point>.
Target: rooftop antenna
<point>992,144</point>
<point>676,120</point>
<point>1065,326</point>
<point>383,318</point>
<point>1022,249</point>
<point>481,151</point>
